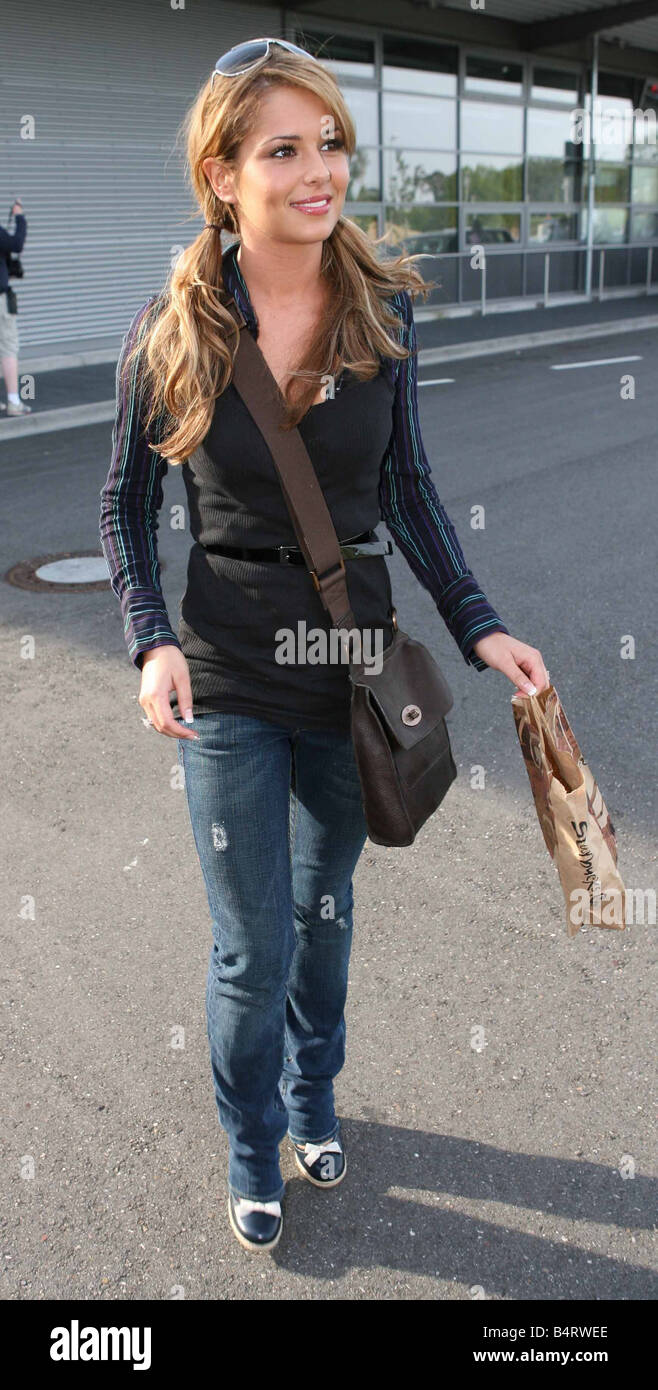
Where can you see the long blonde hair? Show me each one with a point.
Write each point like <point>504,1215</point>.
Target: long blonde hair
<point>188,338</point>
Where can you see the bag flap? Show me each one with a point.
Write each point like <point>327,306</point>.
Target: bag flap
<point>410,691</point>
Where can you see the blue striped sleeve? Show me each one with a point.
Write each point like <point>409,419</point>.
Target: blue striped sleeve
<point>130,501</point>
<point>415,516</point>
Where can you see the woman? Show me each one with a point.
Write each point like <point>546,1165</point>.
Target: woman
<point>271,782</point>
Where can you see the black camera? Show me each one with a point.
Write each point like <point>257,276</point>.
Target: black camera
<point>14,266</point>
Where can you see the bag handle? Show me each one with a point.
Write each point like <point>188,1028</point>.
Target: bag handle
<point>303,495</point>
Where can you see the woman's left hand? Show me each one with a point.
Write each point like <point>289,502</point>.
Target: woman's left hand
<point>516,660</point>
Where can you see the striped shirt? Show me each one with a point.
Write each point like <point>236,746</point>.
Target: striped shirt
<point>409,504</point>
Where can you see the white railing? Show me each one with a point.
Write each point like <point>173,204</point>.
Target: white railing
<point>572,250</point>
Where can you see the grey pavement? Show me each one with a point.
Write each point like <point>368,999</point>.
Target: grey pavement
<point>472,327</point>
<point>75,383</point>
<point>520,1169</point>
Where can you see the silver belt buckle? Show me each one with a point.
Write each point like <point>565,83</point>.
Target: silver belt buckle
<point>364,549</point>
<point>285,550</point>
<point>284,553</point>
<point>353,550</point>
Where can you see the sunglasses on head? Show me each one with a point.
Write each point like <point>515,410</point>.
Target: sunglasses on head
<point>246,55</point>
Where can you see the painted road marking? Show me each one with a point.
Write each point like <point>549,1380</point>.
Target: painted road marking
<point>599,362</point>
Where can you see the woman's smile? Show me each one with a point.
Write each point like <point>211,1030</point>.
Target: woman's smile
<point>314,206</point>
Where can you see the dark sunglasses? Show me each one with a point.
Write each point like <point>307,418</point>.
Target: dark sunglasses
<point>246,55</point>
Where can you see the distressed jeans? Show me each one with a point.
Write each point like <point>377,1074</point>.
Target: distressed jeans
<point>279,826</point>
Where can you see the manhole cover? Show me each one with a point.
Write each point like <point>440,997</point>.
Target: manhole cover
<point>69,572</point>
<point>80,569</point>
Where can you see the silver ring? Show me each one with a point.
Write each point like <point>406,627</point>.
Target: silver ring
<point>147,722</point>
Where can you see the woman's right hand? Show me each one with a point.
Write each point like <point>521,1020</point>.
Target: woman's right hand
<point>165,669</point>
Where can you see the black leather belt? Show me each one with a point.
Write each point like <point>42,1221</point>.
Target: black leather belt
<point>354,548</point>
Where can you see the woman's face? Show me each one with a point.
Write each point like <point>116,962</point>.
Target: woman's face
<point>293,154</point>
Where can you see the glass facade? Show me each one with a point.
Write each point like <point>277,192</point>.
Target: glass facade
<point>459,146</point>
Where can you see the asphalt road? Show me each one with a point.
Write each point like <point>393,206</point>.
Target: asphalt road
<point>522,1170</point>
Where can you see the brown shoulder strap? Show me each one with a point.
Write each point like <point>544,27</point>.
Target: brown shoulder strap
<point>304,498</point>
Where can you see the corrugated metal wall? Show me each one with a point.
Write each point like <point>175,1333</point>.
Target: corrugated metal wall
<point>107,85</point>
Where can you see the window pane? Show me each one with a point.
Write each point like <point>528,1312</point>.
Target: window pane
<point>493,75</point>
<point>610,224</point>
<point>493,228</point>
<point>553,226</point>
<point>419,176</point>
<point>611,184</point>
<point>645,183</point>
<point>613,127</point>
<point>432,243</point>
<point>645,226</point>
<point>416,66</point>
<point>645,133</point>
<point>367,221</point>
<point>615,84</point>
<point>552,133</point>
<point>554,180</point>
<point>420,122</point>
<point>363,186</point>
<point>343,55</point>
<point>363,107</point>
<point>492,128</point>
<point>429,229</point>
<point>492,178</point>
<point>550,84</point>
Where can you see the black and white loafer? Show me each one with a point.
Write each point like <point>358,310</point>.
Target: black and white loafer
<point>323,1164</point>
<point>257,1225</point>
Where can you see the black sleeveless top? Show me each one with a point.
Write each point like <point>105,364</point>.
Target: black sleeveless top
<point>233,609</point>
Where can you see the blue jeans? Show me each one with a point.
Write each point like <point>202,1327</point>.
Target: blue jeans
<point>279,826</point>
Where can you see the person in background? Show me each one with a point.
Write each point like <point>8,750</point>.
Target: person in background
<point>10,244</point>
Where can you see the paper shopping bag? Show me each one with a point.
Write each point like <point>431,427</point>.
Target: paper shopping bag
<point>573,816</point>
